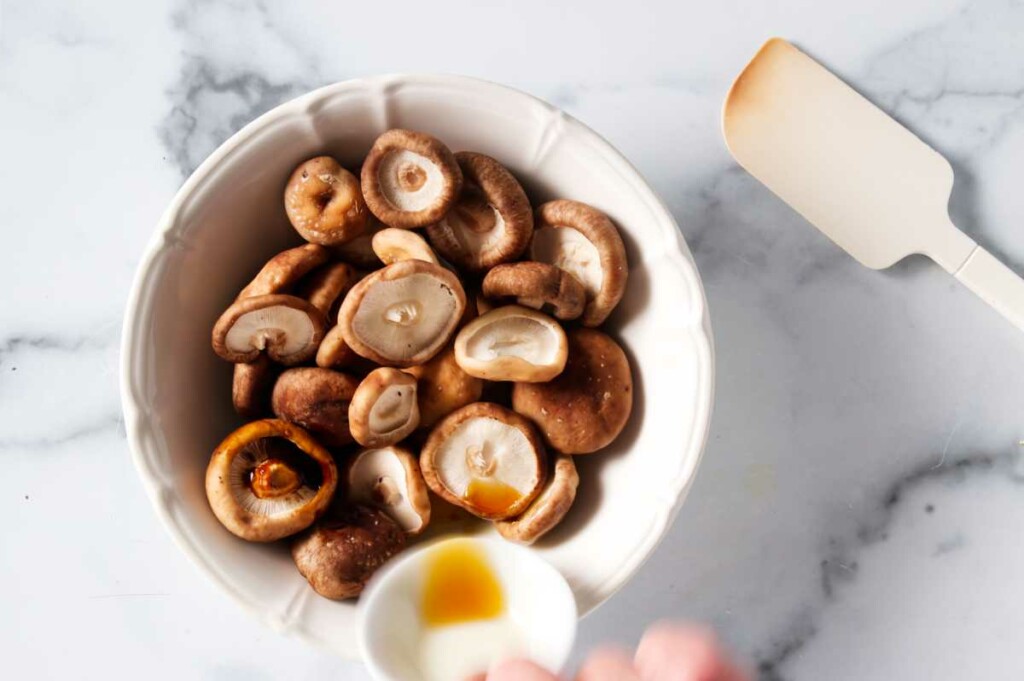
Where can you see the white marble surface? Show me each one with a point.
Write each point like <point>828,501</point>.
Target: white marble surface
<point>858,512</point>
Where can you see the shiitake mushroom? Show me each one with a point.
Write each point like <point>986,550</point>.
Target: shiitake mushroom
<point>269,479</point>
<point>583,241</point>
<point>317,399</point>
<point>340,554</point>
<point>486,459</point>
<point>584,408</point>
<point>410,179</point>
<point>324,203</point>
<point>403,314</point>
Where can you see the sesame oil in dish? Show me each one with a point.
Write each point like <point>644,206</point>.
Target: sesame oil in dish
<point>466,625</point>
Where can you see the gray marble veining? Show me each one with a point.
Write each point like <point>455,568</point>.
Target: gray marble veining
<point>855,516</point>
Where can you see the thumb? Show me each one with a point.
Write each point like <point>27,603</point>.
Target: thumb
<point>517,670</point>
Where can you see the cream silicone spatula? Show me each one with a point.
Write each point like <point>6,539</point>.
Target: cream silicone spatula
<point>856,174</point>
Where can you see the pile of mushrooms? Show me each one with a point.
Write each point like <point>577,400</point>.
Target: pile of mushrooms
<point>363,360</point>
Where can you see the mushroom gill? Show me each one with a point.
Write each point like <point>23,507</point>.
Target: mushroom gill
<point>269,479</point>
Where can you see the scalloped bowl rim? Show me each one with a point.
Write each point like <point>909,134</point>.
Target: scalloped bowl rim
<point>139,425</point>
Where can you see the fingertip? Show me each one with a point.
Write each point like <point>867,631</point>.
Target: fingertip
<point>673,650</point>
<point>519,670</point>
<point>670,631</point>
<point>610,655</point>
<point>607,664</point>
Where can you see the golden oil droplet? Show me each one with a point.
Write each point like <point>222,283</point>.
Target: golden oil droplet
<point>460,586</point>
<point>490,496</point>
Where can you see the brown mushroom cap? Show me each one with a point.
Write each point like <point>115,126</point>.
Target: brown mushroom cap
<point>250,387</point>
<point>287,328</point>
<point>389,479</point>
<point>340,554</point>
<point>316,399</point>
<point>583,241</point>
<point>359,251</point>
<point>490,223</point>
<point>334,352</point>
<point>392,245</point>
<point>443,387</point>
<point>410,179</point>
<point>536,285</point>
<point>586,407</point>
<point>548,509</point>
<point>403,314</point>
<point>324,203</point>
<point>261,488</point>
<point>485,459</point>
<point>384,409</point>
<point>284,269</point>
<point>512,343</point>
<point>326,285</point>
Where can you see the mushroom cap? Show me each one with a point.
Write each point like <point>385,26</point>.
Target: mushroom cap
<point>316,399</point>
<point>334,352</point>
<point>490,223</point>
<point>536,285</point>
<point>403,314</point>
<point>384,409</point>
<point>250,387</point>
<point>324,203</point>
<point>326,285</point>
<point>583,241</point>
<point>443,387</point>
<point>340,554</point>
<point>586,407</point>
<point>392,244</point>
<point>548,509</point>
<point>410,179</point>
<point>277,509</point>
<point>288,328</point>
<point>389,479</point>
<point>359,251</point>
<point>512,343</point>
<point>485,459</point>
<point>284,269</point>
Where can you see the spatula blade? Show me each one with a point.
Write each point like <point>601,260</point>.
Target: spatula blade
<point>863,179</point>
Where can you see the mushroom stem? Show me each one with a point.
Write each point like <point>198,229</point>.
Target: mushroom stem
<point>480,460</point>
<point>273,479</point>
<point>385,491</point>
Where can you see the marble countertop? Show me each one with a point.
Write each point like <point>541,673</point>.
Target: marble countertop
<point>858,511</point>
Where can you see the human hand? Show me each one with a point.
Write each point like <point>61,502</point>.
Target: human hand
<point>667,652</point>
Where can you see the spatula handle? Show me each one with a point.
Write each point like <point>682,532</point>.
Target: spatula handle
<point>995,283</point>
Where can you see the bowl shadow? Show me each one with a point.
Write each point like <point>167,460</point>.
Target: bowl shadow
<point>590,466</point>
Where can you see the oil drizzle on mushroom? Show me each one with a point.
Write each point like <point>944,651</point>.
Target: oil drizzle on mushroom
<point>491,496</point>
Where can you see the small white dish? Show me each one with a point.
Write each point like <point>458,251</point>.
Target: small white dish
<point>228,219</point>
<point>539,621</point>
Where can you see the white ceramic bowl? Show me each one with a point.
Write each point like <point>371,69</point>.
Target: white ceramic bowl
<point>228,218</point>
<point>537,600</point>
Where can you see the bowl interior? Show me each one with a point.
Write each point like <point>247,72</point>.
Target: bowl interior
<point>228,219</point>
